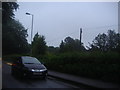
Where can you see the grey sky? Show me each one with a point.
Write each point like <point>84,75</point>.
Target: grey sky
<point>57,20</point>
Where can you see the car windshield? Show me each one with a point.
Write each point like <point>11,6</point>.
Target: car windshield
<point>30,60</point>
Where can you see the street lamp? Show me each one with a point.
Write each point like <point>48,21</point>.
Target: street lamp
<point>31,26</point>
<point>31,29</point>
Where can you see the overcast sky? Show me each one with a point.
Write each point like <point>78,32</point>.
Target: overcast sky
<point>57,20</point>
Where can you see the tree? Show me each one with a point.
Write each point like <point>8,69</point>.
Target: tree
<point>8,9</point>
<point>38,45</point>
<point>112,40</point>
<point>69,44</point>
<point>14,39</point>
<point>14,34</point>
<point>118,42</point>
<point>100,42</point>
<point>106,42</point>
<point>62,46</point>
<point>52,49</point>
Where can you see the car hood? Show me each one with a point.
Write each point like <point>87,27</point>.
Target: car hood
<point>35,66</point>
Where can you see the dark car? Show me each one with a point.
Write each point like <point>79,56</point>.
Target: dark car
<point>26,66</point>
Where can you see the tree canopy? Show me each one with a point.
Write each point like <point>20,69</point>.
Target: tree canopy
<point>8,9</point>
<point>38,45</point>
<point>69,44</point>
<point>106,42</point>
<point>13,32</point>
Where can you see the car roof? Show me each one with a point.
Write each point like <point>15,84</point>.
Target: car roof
<point>26,57</point>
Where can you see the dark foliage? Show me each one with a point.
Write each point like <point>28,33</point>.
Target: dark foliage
<point>69,44</point>
<point>52,49</point>
<point>38,45</point>
<point>95,65</point>
<point>8,9</point>
<point>13,33</point>
<point>106,42</point>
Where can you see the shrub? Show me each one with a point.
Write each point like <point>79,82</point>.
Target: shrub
<point>97,65</point>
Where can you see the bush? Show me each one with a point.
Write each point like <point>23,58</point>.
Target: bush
<point>97,65</point>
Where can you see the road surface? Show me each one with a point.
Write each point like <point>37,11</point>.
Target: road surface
<point>8,81</point>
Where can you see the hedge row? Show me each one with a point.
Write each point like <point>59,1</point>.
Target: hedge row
<point>97,65</point>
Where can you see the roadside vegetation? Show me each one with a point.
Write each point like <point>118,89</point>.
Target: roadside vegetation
<point>100,60</point>
<point>97,65</point>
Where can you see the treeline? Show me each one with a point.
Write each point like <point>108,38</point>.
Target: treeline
<point>109,42</point>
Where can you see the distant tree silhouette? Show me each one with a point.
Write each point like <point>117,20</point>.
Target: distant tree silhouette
<point>69,44</point>
<point>62,46</point>
<point>38,45</point>
<point>106,42</point>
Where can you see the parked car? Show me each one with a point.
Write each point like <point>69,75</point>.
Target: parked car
<point>26,66</point>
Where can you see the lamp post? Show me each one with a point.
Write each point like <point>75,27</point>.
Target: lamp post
<point>31,26</point>
<point>31,29</point>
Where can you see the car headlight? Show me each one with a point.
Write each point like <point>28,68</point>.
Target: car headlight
<point>37,70</point>
<point>33,70</point>
<point>43,70</point>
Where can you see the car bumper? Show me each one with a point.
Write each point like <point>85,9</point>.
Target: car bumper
<point>35,74</point>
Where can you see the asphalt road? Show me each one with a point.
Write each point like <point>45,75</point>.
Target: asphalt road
<point>8,81</point>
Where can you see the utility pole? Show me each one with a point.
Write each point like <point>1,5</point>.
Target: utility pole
<point>80,37</point>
